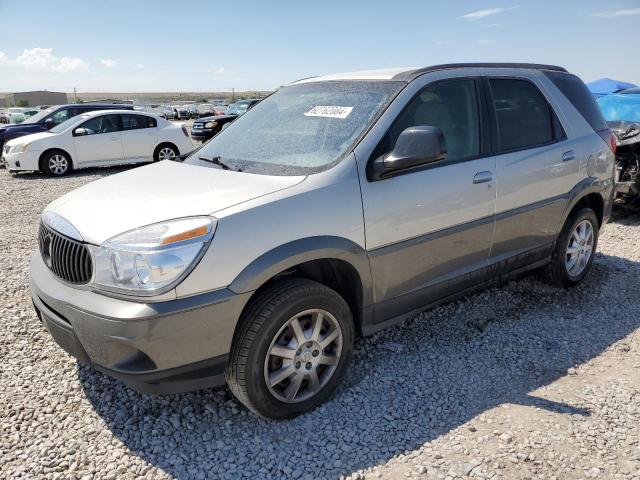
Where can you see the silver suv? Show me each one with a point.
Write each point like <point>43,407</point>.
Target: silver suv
<point>334,208</point>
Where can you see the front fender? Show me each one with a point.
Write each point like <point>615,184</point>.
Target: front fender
<point>303,250</point>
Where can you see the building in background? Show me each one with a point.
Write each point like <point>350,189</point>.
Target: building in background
<point>32,99</point>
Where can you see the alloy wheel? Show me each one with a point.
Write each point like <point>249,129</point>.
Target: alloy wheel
<point>166,154</point>
<point>58,164</point>
<point>303,356</point>
<point>579,248</point>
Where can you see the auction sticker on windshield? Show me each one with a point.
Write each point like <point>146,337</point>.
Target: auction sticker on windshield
<point>329,111</point>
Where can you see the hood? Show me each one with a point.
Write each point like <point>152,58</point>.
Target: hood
<point>29,138</point>
<point>20,127</point>
<point>161,191</point>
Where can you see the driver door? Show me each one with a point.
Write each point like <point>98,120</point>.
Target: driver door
<point>429,231</point>
<point>100,142</point>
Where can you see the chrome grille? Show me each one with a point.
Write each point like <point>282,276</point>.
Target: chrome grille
<point>66,258</point>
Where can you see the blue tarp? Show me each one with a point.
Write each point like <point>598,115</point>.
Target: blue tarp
<point>620,107</point>
<point>605,86</point>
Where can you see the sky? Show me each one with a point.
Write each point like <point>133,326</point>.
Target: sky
<point>200,45</point>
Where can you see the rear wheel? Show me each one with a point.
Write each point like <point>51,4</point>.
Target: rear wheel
<point>165,152</point>
<point>291,350</point>
<point>56,163</point>
<point>575,249</point>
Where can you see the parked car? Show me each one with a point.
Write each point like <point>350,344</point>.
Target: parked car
<point>206,127</point>
<point>50,117</point>
<point>99,138</point>
<point>334,208</point>
<point>166,112</point>
<point>622,112</point>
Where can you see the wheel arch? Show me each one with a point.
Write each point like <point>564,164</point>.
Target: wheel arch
<point>165,144</point>
<point>336,262</point>
<point>51,150</point>
<point>590,192</point>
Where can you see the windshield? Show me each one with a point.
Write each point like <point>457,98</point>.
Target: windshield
<point>68,123</point>
<point>237,108</point>
<point>620,107</point>
<point>39,116</point>
<point>300,129</point>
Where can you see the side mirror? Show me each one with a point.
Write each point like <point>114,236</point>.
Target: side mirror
<point>79,132</point>
<point>415,147</point>
<point>48,124</point>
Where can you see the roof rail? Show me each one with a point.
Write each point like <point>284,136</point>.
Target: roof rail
<point>412,74</point>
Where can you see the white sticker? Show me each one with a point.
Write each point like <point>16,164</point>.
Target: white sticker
<point>329,111</point>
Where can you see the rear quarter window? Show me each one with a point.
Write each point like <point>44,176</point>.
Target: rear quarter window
<point>580,97</point>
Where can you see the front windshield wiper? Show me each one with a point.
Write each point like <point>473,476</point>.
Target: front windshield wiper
<point>217,161</point>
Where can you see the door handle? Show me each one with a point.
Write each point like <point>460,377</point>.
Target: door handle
<point>568,156</point>
<point>483,177</point>
<point>115,139</point>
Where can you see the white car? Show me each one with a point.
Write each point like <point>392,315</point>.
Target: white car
<point>96,139</point>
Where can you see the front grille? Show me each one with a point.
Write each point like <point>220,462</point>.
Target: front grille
<point>66,258</point>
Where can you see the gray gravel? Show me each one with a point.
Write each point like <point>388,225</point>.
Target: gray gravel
<point>522,381</point>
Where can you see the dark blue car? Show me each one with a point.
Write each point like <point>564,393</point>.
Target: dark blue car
<point>49,118</point>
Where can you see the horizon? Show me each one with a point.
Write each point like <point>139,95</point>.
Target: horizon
<point>258,47</point>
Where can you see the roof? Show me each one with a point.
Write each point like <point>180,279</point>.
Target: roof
<point>409,73</point>
<point>116,110</point>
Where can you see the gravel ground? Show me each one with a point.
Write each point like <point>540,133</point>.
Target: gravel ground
<point>521,381</point>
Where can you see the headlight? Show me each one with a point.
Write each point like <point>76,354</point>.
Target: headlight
<point>152,259</point>
<point>20,148</point>
<point>210,124</point>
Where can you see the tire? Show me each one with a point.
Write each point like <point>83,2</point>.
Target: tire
<point>56,163</point>
<point>266,327</point>
<point>566,268</point>
<point>165,152</point>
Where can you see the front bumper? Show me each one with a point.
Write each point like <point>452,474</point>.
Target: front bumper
<point>28,160</point>
<point>202,134</point>
<point>154,347</point>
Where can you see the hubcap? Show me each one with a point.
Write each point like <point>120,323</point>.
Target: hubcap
<point>303,356</point>
<point>579,248</point>
<point>58,164</point>
<point>166,154</point>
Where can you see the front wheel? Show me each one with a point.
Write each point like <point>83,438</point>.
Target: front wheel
<point>56,163</point>
<point>575,249</point>
<point>292,349</point>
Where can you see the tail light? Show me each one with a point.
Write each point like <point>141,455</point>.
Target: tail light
<point>610,139</point>
<point>184,130</point>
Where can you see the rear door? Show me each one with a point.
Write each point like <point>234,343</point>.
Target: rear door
<point>100,143</point>
<point>536,166</point>
<point>139,137</point>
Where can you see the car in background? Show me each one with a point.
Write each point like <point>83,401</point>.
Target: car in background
<point>622,112</point>
<point>96,139</point>
<point>47,119</point>
<point>207,127</point>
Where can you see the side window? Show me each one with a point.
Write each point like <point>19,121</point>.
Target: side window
<point>60,116</point>
<point>136,122</point>
<point>451,105</point>
<point>523,115</point>
<point>101,124</point>
<point>579,95</point>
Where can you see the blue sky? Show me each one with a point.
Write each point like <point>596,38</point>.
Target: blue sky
<point>199,45</point>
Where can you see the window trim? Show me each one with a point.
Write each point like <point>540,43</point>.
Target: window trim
<point>558,137</point>
<point>485,146</point>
